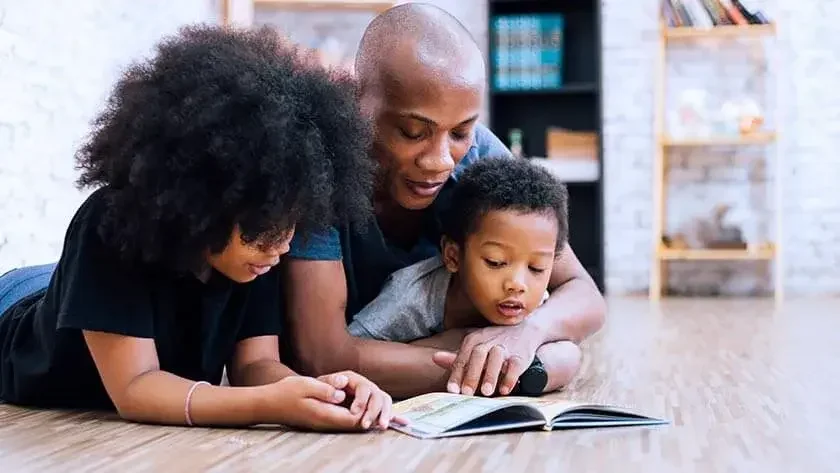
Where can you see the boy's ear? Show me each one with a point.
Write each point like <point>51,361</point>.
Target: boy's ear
<point>450,252</point>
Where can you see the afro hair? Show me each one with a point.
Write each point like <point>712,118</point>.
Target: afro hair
<point>499,184</point>
<point>225,127</point>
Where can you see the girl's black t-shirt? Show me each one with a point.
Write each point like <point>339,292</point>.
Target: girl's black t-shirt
<point>44,360</point>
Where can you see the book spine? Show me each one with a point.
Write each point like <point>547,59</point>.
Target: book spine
<point>669,14</point>
<point>682,12</point>
<point>716,9</point>
<point>752,14</point>
<point>733,13</point>
<point>699,16</point>
<point>520,60</point>
<point>534,53</point>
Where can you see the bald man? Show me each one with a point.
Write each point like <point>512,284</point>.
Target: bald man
<point>421,83</point>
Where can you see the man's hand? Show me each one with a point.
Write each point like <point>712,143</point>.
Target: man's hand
<point>502,354</point>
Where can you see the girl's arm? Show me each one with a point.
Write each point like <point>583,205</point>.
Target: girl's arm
<point>141,392</point>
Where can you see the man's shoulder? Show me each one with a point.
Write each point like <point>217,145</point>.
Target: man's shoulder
<point>485,145</point>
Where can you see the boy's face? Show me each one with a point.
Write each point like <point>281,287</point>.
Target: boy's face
<point>243,262</point>
<point>506,263</point>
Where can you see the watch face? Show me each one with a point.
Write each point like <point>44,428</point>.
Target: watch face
<point>533,381</point>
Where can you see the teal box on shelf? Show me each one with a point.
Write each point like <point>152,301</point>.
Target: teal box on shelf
<point>527,52</point>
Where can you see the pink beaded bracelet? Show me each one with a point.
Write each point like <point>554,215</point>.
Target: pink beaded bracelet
<point>189,398</point>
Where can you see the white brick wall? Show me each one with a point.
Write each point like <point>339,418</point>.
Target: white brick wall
<point>58,59</point>
<point>808,63</point>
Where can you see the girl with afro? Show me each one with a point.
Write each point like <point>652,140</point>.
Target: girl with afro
<point>205,162</point>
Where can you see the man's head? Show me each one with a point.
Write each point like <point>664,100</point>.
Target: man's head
<point>507,222</point>
<point>422,80</point>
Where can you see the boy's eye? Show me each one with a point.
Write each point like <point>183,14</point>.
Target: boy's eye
<point>493,263</point>
<point>537,270</point>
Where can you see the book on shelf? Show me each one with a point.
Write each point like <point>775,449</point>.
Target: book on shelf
<point>528,52</point>
<point>438,415</point>
<point>711,13</point>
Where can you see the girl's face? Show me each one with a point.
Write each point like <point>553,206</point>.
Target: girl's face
<point>243,262</point>
<point>505,264</point>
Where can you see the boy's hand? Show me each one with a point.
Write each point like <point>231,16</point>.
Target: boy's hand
<point>371,406</point>
<point>502,354</point>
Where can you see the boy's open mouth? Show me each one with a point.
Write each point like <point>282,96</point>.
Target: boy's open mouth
<point>511,308</point>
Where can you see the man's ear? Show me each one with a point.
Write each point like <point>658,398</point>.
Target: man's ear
<point>451,253</point>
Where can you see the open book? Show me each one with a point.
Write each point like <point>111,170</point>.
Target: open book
<point>437,415</point>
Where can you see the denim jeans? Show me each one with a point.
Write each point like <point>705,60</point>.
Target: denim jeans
<point>21,282</point>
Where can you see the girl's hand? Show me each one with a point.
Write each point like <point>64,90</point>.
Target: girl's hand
<point>371,404</point>
<point>317,404</point>
<point>307,403</point>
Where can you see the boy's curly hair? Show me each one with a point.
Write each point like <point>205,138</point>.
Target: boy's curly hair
<point>509,183</point>
<point>225,127</point>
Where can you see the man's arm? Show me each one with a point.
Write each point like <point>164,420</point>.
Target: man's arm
<point>316,295</point>
<point>575,310</point>
<point>256,361</point>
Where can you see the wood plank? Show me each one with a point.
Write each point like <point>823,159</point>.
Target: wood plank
<point>723,31</point>
<point>760,138</point>
<point>372,5</point>
<point>748,386</point>
<point>715,254</point>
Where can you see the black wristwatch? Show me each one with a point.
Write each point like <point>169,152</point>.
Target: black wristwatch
<point>533,380</point>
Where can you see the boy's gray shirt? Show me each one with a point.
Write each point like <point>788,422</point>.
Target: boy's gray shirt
<point>409,306</point>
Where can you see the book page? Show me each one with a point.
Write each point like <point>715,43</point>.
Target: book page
<point>438,412</point>
<point>549,407</point>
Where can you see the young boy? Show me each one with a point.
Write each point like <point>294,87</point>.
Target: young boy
<point>506,224</point>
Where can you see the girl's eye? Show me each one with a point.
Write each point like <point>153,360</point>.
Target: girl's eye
<point>537,270</point>
<point>493,264</point>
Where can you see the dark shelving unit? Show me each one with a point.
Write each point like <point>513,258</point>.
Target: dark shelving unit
<point>575,106</point>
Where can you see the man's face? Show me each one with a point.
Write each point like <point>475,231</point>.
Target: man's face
<point>424,126</point>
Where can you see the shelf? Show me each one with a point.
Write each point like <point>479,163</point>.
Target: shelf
<point>728,31</point>
<point>569,89</point>
<point>716,255</point>
<point>368,5</point>
<point>761,138</point>
<point>571,171</point>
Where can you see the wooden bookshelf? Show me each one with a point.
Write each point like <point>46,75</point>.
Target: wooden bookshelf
<point>759,138</point>
<point>729,31</point>
<point>663,256</point>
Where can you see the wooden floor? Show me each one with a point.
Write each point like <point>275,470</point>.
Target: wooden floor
<point>747,387</point>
